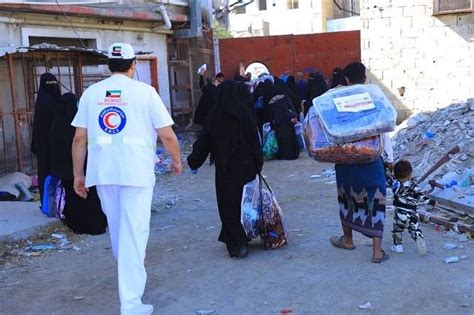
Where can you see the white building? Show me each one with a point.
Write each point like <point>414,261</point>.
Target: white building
<point>280,17</point>
<point>276,17</point>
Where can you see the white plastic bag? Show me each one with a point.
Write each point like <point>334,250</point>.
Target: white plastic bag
<point>250,213</point>
<point>266,130</point>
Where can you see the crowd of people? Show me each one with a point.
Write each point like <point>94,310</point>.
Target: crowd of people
<point>237,111</point>
<point>280,101</point>
<point>119,119</point>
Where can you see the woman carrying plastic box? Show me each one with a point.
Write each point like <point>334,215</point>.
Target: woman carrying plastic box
<point>361,192</point>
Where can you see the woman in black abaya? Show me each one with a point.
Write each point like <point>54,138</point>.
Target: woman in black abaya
<point>49,94</point>
<point>230,136</point>
<point>81,215</point>
<point>283,118</point>
<point>316,87</point>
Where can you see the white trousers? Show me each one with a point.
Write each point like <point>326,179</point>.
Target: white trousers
<point>128,211</point>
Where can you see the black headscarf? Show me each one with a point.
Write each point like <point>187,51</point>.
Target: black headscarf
<point>49,94</point>
<point>291,83</point>
<point>316,87</point>
<point>230,132</point>
<point>338,78</point>
<point>232,98</point>
<point>264,89</point>
<point>280,88</point>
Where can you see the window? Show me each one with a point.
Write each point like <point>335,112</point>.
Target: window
<point>452,6</point>
<point>240,9</point>
<point>292,4</point>
<point>262,5</point>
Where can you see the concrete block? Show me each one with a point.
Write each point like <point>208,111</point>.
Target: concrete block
<point>410,53</point>
<point>415,11</point>
<point>407,3</point>
<point>465,19</point>
<point>365,44</point>
<point>445,20</point>
<point>365,24</point>
<point>408,43</point>
<point>401,22</point>
<point>376,74</point>
<point>392,12</point>
<point>370,13</point>
<point>379,24</point>
<point>382,63</point>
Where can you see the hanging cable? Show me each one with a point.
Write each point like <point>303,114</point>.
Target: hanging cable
<point>343,9</point>
<point>72,26</point>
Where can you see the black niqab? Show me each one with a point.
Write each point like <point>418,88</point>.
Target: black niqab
<point>49,94</point>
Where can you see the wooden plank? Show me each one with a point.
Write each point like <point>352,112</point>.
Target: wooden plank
<point>453,204</point>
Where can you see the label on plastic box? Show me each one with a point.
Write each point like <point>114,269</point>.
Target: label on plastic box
<point>354,103</point>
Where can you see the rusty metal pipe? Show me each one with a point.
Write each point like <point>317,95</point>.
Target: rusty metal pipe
<point>11,76</point>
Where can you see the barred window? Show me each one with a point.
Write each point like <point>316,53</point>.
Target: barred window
<point>292,4</point>
<point>452,6</point>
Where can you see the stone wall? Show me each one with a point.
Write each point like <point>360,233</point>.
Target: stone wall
<point>423,61</point>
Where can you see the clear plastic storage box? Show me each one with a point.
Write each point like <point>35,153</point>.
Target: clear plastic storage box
<point>355,112</point>
<point>322,149</point>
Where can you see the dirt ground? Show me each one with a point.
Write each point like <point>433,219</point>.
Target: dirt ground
<point>188,270</point>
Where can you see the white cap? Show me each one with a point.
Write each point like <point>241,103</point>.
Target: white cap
<point>121,51</point>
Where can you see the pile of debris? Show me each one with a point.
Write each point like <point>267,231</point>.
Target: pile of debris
<point>425,137</point>
<point>52,237</point>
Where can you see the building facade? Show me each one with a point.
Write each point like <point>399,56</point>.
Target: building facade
<point>171,36</point>
<point>420,51</point>
<point>283,17</point>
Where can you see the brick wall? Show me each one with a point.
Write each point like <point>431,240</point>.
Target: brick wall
<point>406,48</point>
<point>291,53</point>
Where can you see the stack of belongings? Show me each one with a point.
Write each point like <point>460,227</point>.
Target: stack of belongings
<point>345,124</point>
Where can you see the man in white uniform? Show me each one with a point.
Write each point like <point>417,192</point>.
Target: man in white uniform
<point>118,122</point>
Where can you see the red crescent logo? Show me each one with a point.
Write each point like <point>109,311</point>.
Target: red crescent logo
<point>107,118</point>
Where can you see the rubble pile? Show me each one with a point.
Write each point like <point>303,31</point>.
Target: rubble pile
<point>425,137</point>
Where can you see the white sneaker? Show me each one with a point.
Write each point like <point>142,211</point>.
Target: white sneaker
<point>421,245</point>
<point>142,309</point>
<point>397,249</point>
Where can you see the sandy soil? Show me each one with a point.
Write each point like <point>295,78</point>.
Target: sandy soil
<point>189,270</point>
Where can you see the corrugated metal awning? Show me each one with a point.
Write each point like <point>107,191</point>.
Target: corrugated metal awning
<point>51,48</point>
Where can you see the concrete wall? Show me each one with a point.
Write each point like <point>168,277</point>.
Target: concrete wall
<point>304,20</point>
<point>291,53</point>
<point>406,48</point>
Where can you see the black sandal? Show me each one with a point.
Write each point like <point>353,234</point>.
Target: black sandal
<point>379,260</point>
<point>338,243</point>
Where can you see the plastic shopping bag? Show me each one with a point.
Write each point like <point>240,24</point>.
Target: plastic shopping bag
<point>273,232</point>
<point>251,208</point>
<point>270,146</point>
<point>266,128</point>
<point>299,136</point>
<point>59,201</point>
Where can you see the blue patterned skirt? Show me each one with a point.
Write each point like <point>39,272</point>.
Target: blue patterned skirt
<point>361,192</point>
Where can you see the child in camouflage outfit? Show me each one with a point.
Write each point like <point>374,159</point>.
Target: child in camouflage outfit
<point>406,197</point>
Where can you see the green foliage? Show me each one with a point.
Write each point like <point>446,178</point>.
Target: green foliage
<point>221,32</point>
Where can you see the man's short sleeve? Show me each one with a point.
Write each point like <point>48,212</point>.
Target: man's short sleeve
<point>80,120</point>
<point>159,114</point>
